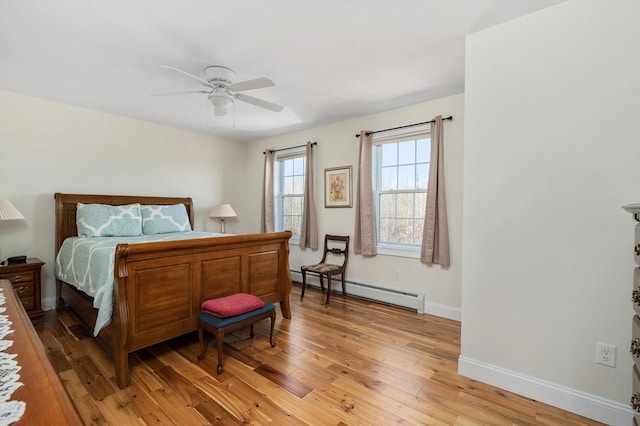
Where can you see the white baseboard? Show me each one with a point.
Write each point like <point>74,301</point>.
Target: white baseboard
<point>584,404</point>
<point>444,311</point>
<point>388,296</point>
<point>48,303</point>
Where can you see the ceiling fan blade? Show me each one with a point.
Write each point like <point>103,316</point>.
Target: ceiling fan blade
<point>205,82</point>
<point>257,83</point>
<point>259,102</point>
<point>179,93</point>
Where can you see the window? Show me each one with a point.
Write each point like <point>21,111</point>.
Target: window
<point>401,175</point>
<point>289,188</point>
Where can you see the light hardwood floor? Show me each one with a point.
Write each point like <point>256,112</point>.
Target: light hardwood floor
<point>355,363</point>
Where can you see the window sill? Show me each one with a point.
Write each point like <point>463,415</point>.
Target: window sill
<point>397,251</point>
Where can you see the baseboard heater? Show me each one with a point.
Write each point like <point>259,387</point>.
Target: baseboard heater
<point>366,291</point>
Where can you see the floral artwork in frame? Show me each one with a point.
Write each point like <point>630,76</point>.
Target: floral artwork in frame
<point>337,187</point>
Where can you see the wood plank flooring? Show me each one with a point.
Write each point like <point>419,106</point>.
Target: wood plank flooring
<point>355,363</point>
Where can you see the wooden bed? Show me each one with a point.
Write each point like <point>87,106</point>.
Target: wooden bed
<point>160,286</point>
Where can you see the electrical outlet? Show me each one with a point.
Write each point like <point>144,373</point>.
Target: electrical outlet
<point>606,354</point>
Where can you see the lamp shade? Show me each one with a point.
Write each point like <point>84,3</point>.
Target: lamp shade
<point>9,212</point>
<point>222,210</point>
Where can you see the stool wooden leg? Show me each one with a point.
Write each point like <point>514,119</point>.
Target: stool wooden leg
<point>203,346</point>
<point>273,320</point>
<point>220,342</point>
<point>251,334</point>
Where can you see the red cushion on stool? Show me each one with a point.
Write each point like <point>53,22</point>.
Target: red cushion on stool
<point>229,306</point>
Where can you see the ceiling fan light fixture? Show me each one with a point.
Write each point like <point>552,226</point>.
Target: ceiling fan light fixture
<point>220,100</point>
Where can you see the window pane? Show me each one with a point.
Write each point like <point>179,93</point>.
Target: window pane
<point>298,166</point>
<point>288,167</point>
<point>298,184</point>
<point>287,222</point>
<point>405,206</point>
<point>288,185</point>
<point>389,182</point>
<point>407,152</point>
<point>422,176</point>
<point>387,205</point>
<point>287,207</point>
<point>421,204</point>
<point>389,154</point>
<point>296,224</point>
<point>403,231</point>
<point>386,230</point>
<point>406,177</point>
<point>417,231</point>
<point>424,150</point>
<point>297,206</point>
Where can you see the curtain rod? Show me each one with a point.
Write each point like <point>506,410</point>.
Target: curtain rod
<point>408,125</point>
<point>291,147</point>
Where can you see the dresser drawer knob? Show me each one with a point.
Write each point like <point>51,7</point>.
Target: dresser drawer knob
<point>636,250</point>
<point>17,278</point>
<point>635,296</point>
<point>635,347</point>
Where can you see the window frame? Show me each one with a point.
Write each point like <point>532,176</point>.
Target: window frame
<point>400,135</point>
<point>279,195</point>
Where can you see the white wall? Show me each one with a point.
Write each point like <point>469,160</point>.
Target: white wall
<point>46,147</point>
<point>552,151</point>
<point>338,146</point>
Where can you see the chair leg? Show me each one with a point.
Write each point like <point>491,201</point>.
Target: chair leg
<point>304,282</point>
<point>321,282</point>
<point>326,304</point>
<point>344,289</point>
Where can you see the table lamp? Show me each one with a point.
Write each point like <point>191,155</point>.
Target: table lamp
<point>221,211</point>
<point>9,212</point>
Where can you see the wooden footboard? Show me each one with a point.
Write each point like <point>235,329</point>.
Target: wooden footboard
<point>159,287</point>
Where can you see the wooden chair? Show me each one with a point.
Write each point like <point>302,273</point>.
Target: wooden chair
<point>329,269</point>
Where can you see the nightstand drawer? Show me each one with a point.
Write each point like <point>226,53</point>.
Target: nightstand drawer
<point>28,302</point>
<point>24,290</point>
<point>18,277</point>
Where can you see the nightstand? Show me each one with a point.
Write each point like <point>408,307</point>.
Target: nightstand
<point>25,278</point>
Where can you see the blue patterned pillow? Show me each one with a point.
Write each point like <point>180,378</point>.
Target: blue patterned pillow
<point>164,219</point>
<point>102,220</point>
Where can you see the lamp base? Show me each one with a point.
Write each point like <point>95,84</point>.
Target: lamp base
<point>222,225</point>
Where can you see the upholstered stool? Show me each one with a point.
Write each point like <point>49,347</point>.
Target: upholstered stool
<point>227,314</point>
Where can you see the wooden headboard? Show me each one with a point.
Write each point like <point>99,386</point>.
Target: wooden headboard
<point>66,209</point>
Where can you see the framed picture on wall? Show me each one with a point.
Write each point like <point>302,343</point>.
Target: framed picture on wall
<point>337,187</point>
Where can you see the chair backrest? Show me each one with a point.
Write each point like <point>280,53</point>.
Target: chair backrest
<point>334,249</point>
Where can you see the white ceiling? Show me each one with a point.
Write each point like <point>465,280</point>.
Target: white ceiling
<point>330,60</point>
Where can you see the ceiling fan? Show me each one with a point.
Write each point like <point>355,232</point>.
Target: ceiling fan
<point>222,91</point>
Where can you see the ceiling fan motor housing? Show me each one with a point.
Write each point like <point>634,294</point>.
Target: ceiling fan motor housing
<point>220,74</point>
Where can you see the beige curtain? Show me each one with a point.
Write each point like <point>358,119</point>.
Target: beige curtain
<point>309,231</point>
<point>267,219</point>
<point>435,237</point>
<point>364,241</point>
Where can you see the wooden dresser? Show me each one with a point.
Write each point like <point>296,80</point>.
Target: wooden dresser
<point>634,209</point>
<point>47,402</point>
